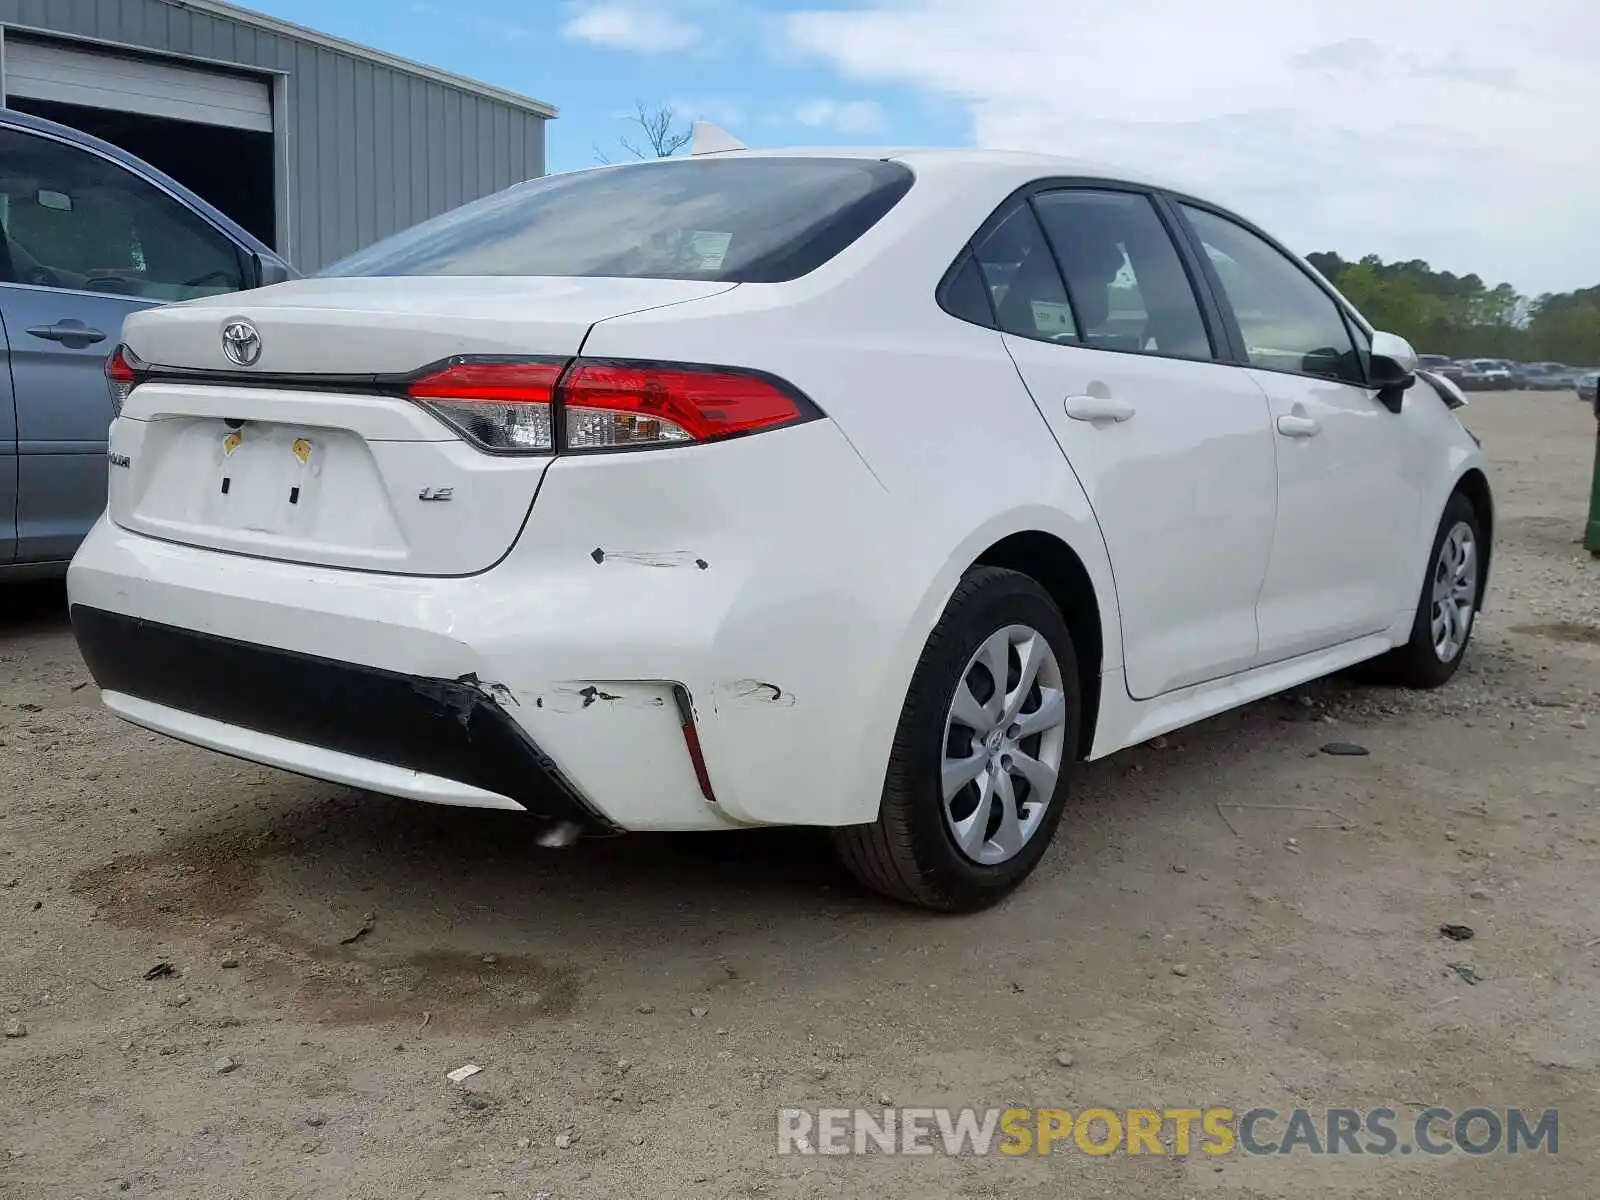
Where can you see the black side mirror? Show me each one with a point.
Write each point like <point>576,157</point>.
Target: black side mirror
<point>267,270</point>
<point>1387,373</point>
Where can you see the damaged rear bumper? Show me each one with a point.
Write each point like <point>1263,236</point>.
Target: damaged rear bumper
<point>442,740</point>
<point>685,643</point>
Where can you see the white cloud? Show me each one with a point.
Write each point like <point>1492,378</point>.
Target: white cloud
<point>630,27</point>
<point>855,118</point>
<point>1466,132</point>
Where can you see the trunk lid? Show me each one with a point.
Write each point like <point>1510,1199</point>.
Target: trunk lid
<point>290,458</point>
<point>388,325</point>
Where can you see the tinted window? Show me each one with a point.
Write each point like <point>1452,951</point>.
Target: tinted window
<point>1023,280</point>
<point>737,220</point>
<point>964,294</point>
<point>1363,341</point>
<point>72,219</point>
<point>1128,286</point>
<point>1288,322</point>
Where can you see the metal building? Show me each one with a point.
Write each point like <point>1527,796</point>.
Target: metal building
<point>318,146</point>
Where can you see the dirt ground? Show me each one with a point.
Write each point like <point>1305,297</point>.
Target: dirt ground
<point>641,1007</point>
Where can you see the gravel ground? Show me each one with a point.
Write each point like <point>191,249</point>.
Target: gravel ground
<point>641,1007</point>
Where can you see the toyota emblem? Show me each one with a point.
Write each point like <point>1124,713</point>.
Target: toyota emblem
<point>241,342</point>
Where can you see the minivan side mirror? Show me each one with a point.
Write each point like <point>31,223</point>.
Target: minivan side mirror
<point>1394,368</point>
<point>267,269</point>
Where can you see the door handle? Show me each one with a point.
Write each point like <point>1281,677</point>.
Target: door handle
<point>1098,408</point>
<point>70,332</point>
<point>1298,427</point>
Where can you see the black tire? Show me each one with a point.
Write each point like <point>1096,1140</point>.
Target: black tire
<point>909,853</point>
<point>1416,664</point>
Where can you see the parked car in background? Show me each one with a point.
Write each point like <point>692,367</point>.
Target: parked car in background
<point>1491,375</point>
<point>90,234</point>
<point>1554,377</point>
<point>1535,377</point>
<point>1444,365</point>
<point>655,497</point>
<point>1587,382</point>
<point>1547,376</point>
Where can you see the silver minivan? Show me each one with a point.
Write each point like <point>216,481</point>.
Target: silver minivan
<point>88,234</point>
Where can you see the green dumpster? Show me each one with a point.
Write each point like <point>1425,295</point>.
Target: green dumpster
<point>1591,536</point>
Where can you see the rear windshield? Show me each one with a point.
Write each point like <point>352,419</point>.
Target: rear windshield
<point>738,220</point>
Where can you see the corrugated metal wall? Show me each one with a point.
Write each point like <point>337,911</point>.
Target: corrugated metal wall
<point>370,149</point>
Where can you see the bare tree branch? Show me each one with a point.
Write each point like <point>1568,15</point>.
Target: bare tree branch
<point>657,133</point>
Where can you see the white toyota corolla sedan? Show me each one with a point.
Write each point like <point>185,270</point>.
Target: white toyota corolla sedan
<point>867,490</point>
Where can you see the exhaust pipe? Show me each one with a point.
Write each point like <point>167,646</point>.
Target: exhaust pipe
<point>558,835</point>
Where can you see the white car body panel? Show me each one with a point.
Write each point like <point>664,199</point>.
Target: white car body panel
<point>1125,721</point>
<point>936,533</point>
<point>1184,481</point>
<point>787,581</point>
<point>369,459</point>
<point>335,326</point>
<point>1343,491</point>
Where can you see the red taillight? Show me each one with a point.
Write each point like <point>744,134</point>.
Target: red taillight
<point>503,406</point>
<point>512,406</point>
<point>518,382</point>
<point>625,404</point>
<point>122,376</point>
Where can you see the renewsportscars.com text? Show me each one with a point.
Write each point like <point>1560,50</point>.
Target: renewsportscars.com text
<point>1259,1131</point>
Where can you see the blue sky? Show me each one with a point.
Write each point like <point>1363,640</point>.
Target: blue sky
<point>727,63</point>
<point>1360,127</point>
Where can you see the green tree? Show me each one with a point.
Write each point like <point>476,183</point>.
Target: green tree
<point>1462,316</point>
<point>1566,328</point>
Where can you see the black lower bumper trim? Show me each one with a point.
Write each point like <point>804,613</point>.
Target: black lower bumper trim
<point>453,728</point>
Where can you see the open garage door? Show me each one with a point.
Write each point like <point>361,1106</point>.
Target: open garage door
<point>69,75</point>
<point>211,130</point>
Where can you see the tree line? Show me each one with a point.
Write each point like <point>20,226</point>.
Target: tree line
<point>1460,315</point>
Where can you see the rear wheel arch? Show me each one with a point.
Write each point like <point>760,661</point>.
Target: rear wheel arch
<point>1474,485</point>
<point>1056,567</point>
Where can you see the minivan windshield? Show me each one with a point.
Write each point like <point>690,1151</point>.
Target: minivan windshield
<point>731,220</point>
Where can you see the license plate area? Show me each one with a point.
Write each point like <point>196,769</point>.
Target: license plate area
<point>364,481</point>
<point>267,478</point>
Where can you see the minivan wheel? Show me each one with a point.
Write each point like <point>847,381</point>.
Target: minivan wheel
<point>975,784</point>
<point>1447,606</point>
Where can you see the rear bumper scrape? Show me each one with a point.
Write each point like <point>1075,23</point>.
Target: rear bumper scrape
<point>455,729</point>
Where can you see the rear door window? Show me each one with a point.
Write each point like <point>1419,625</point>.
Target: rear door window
<point>731,220</point>
<point>1127,283</point>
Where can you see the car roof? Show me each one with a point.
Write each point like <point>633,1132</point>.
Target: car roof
<point>973,162</point>
<point>967,164</point>
<point>22,120</point>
